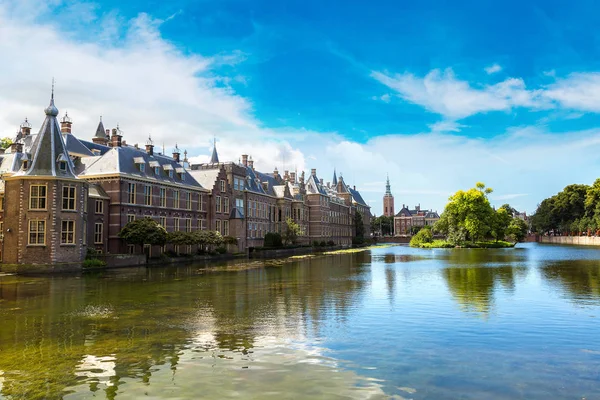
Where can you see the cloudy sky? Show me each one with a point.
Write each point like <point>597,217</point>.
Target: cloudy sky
<point>436,96</point>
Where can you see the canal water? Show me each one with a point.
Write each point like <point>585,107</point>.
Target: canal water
<point>392,322</point>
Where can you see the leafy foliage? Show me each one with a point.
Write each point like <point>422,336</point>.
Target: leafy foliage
<point>359,226</point>
<point>382,225</point>
<point>5,142</point>
<point>575,209</point>
<point>292,230</point>
<point>143,231</point>
<point>422,237</point>
<point>517,230</point>
<point>273,239</point>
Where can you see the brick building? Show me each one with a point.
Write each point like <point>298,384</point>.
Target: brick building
<point>388,200</point>
<point>406,219</point>
<point>60,195</point>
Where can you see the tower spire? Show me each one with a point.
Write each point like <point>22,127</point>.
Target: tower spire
<point>214,159</point>
<point>388,189</point>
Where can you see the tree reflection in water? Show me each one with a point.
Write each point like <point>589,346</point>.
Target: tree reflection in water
<point>579,279</point>
<point>53,329</point>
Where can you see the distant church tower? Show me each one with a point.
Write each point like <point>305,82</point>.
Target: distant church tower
<point>388,200</point>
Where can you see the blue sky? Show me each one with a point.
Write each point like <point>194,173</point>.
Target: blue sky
<point>437,95</point>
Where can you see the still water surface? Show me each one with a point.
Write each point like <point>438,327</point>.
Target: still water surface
<point>392,322</point>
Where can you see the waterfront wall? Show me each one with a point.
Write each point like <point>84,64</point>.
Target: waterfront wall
<point>573,240</point>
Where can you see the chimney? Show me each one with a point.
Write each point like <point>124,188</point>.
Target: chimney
<point>313,172</point>
<point>115,139</point>
<point>286,175</point>
<point>65,124</point>
<point>150,148</point>
<point>293,177</point>
<point>108,133</point>
<point>245,159</point>
<point>275,172</point>
<point>328,184</point>
<point>176,156</point>
<point>25,128</point>
<point>321,181</point>
<point>136,146</point>
<point>251,163</point>
<point>16,147</point>
<point>354,187</point>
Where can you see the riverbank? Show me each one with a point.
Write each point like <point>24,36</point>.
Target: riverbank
<point>443,244</point>
<point>570,240</point>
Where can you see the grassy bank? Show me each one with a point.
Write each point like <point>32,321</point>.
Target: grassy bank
<point>443,244</point>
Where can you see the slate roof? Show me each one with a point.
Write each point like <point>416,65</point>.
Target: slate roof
<point>205,177</point>
<point>357,197</point>
<point>120,160</point>
<point>100,131</point>
<point>47,148</point>
<point>75,147</point>
<point>96,191</point>
<point>313,185</point>
<point>214,159</point>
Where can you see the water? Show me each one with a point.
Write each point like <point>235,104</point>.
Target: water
<point>387,323</point>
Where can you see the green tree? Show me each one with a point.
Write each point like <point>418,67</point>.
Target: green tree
<point>467,216</point>
<point>423,236</point>
<point>5,142</point>
<point>292,231</point>
<point>359,226</point>
<point>500,222</point>
<point>517,230</point>
<point>143,231</point>
<point>511,211</point>
<point>273,239</point>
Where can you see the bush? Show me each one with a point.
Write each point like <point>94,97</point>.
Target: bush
<point>323,243</point>
<point>315,243</point>
<point>273,239</point>
<point>91,253</point>
<point>93,263</point>
<point>221,250</point>
<point>330,243</point>
<point>422,237</point>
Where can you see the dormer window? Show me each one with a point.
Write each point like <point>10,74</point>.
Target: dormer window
<point>157,171</point>
<point>62,162</point>
<point>141,163</point>
<point>170,173</point>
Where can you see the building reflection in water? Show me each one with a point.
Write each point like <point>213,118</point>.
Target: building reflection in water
<point>101,329</point>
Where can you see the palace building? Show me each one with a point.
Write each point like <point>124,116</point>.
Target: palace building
<point>61,194</point>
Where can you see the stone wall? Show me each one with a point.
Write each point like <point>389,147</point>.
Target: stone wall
<point>574,240</point>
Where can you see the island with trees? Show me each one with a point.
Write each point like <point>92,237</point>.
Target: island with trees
<point>469,220</point>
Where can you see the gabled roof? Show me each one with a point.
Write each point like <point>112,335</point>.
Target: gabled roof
<point>48,148</point>
<point>75,147</point>
<point>357,197</point>
<point>313,186</point>
<point>206,177</point>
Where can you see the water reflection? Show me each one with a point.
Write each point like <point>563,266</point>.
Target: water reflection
<point>116,326</point>
<point>474,274</point>
<point>579,279</point>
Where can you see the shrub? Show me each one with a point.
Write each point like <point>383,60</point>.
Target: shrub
<point>422,237</point>
<point>273,239</point>
<point>221,250</point>
<point>330,243</point>
<point>91,253</point>
<point>315,243</point>
<point>323,243</point>
<point>93,263</point>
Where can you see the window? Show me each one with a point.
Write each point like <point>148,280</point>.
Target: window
<point>1,203</point>
<point>218,225</point>
<point>99,207</point>
<point>157,171</point>
<point>131,248</point>
<point>225,228</point>
<point>67,235</point>
<point>68,199</point>
<point>188,200</point>
<point>131,189</point>
<point>239,204</point>
<point>147,194</point>
<point>222,185</point>
<point>130,218</point>
<point>163,222</point>
<point>142,167</point>
<point>188,225</point>
<point>37,197</point>
<point>98,228</point>
<point>62,165</point>
<point>170,173</point>
<point>175,198</point>
<point>201,202</point>
<point>37,232</point>
<point>226,205</point>
<point>218,204</point>
<point>163,197</point>
<point>175,224</point>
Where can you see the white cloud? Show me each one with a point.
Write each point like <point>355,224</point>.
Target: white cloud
<point>442,93</point>
<point>492,69</point>
<point>578,91</point>
<point>446,126</point>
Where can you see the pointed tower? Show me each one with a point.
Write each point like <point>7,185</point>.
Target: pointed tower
<point>214,159</point>
<point>334,181</point>
<point>101,136</point>
<point>388,200</point>
<point>45,206</point>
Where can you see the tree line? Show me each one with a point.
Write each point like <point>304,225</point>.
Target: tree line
<point>573,211</point>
